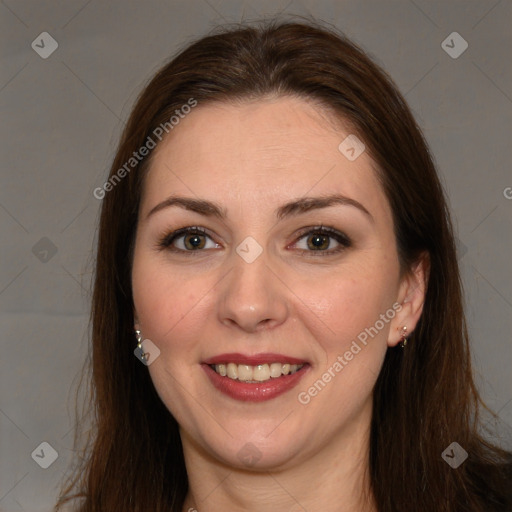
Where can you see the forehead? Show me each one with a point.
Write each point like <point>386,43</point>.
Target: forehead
<point>260,152</point>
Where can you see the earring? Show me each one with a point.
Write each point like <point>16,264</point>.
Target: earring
<point>403,336</point>
<point>139,349</point>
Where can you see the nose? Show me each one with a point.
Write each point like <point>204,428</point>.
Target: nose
<point>251,297</point>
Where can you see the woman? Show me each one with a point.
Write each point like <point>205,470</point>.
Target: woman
<point>276,249</point>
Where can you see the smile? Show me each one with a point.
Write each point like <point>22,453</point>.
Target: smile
<point>254,374</point>
<point>254,378</point>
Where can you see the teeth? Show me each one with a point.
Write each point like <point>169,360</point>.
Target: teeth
<point>259,373</point>
<point>275,370</point>
<point>232,371</point>
<point>244,372</point>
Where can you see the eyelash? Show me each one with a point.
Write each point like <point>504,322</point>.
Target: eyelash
<point>343,240</point>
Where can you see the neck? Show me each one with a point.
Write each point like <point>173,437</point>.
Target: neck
<point>334,479</point>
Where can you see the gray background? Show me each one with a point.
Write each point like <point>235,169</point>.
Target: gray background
<point>62,117</point>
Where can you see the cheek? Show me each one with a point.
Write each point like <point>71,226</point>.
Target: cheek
<point>168,303</point>
<point>349,314</point>
<point>354,343</point>
<point>348,305</point>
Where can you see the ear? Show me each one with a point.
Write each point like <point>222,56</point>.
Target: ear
<point>411,297</point>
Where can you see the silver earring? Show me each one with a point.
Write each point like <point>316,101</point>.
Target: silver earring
<point>403,337</point>
<point>139,348</point>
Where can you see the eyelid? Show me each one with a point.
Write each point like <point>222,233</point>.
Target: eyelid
<point>320,228</point>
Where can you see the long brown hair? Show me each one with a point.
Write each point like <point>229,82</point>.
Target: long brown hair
<point>425,397</point>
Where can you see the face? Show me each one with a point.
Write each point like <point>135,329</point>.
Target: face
<point>266,272</point>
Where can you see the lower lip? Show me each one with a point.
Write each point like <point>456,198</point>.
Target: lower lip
<point>255,392</point>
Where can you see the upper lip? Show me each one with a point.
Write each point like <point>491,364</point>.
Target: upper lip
<point>253,360</point>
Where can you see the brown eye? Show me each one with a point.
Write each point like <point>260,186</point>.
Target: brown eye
<point>187,240</point>
<point>322,241</point>
<point>194,241</point>
<point>318,242</point>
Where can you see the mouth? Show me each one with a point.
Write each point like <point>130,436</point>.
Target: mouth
<point>254,378</point>
<point>254,374</point>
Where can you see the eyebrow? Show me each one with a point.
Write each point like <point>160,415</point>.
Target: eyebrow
<point>296,207</point>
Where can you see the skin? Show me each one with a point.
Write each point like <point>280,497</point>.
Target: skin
<point>250,159</point>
